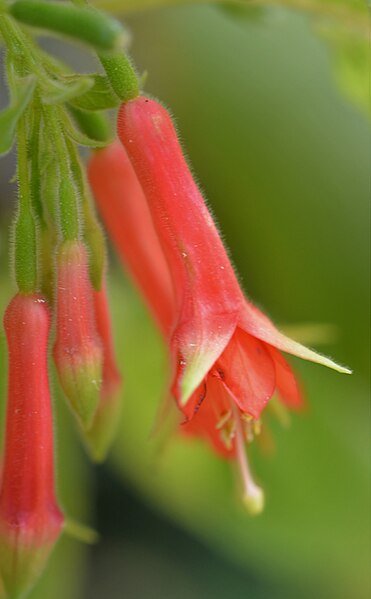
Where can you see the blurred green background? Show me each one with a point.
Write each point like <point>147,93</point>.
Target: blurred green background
<point>283,157</point>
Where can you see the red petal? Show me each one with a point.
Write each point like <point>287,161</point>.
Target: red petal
<point>286,383</point>
<point>208,414</point>
<point>247,371</point>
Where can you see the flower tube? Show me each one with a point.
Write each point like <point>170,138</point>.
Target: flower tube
<point>30,519</point>
<point>225,354</point>
<point>124,210</point>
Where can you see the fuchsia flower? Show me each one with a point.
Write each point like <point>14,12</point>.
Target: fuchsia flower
<point>224,351</point>
<point>123,208</point>
<point>77,351</point>
<point>100,434</point>
<point>30,519</point>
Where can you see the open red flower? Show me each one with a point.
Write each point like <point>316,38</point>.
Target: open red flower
<point>30,519</point>
<point>216,326</point>
<point>225,351</point>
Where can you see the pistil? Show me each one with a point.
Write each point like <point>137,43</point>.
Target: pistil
<point>253,495</point>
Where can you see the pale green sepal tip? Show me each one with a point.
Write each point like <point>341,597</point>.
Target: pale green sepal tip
<point>82,389</point>
<point>198,365</point>
<point>299,350</point>
<point>333,365</point>
<point>193,376</point>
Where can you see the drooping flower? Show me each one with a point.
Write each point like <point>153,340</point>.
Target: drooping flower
<point>102,431</point>
<point>77,351</point>
<point>225,354</point>
<point>124,210</point>
<point>30,519</point>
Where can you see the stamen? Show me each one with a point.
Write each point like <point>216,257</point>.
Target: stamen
<point>248,430</point>
<point>223,420</point>
<point>257,427</point>
<point>253,495</point>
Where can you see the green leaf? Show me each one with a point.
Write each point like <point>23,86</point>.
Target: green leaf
<point>93,124</point>
<point>78,137</point>
<point>11,115</point>
<point>99,97</point>
<point>69,88</point>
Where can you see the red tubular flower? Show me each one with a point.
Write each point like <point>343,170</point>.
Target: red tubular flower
<point>101,433</point>
<point>30,519</point>
<point>124,210</point>
<point>77,351</point>
<point>225,351</point>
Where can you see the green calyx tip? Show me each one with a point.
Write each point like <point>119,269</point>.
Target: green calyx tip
<point>22,564</point>
<point>81,384</point>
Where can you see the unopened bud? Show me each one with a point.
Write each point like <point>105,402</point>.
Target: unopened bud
<point>77,350</point>
<point>30,519</point>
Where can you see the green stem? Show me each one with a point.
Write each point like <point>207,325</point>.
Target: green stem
<point>34,150</point>
<point>68,206</point>
<point>93,234</point>
<point>25,229</point>
<point>119,69</point>
<point>121,74</point>
<point>50,186</point>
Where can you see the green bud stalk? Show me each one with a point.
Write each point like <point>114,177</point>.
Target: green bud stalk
<point>80,23</point>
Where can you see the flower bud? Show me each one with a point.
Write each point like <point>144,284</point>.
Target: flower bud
<point>100,435</point>
<point>30,519</point>
<point>77,351</point>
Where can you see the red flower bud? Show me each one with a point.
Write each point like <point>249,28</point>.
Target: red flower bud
<point>30,520</point>
<point>101,433</point>
<point>123,207</point>
<point>225,359</point>
<point>77,351</point>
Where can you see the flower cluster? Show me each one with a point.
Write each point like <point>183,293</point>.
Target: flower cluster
<point>225,355</point>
